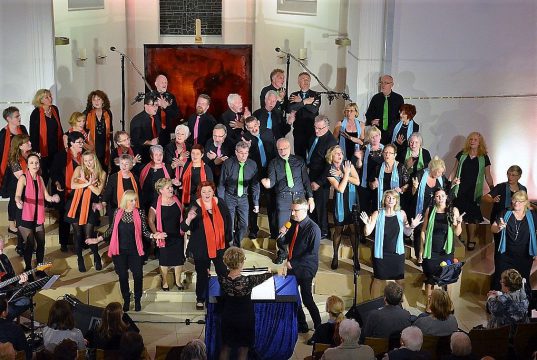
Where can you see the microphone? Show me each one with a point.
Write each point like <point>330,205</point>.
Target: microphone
<point>287,227</point>
<point>113,48</point>
<point>278,49</point>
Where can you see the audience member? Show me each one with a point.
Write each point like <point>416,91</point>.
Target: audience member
<point>11,332</point>
<point>60,326</point>
<point>328,332</point>
<point>131,346</point>
<point>411,342</point>
<point>194,350</point>
<point>66,350</point>
<point>461,347</point>
<point>441,321</point>
<point>114,324</point>
<point>349,331</point>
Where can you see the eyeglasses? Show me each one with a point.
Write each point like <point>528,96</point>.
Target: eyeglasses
<point>318,128</point>
<point>282,149</point>
<point>388,153</point>
<point>80,142</point>
<point>385,83</point>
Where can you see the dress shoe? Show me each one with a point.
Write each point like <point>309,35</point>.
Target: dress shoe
<point>98,262</point>
<point>200,305</point>
<point>335,263</point>
<point>81,265</point>
<point>137,305</point>
<point>126,304</point>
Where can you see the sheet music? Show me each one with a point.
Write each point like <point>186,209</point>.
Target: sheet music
<point>264,291</point>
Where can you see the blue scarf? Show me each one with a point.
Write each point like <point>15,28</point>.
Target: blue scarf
<point>363,181</point>
<point>409,130</point>
<point>342,141</point>
<point>507,204</point>
<point>340,211</point>
<point>421,190</point>
<point>379,234</point>
<point>394,181</point>
<point>531,225</point>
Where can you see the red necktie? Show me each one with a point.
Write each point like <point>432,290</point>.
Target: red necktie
<point>153,127</point>
<point>292,246</point>
<point>163,118</point>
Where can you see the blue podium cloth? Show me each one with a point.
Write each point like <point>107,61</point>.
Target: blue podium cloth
<point>276,326</point>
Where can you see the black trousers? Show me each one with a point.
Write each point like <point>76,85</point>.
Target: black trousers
<point>304,285</point>
<point>238,208</point>
<point>283,207</point>
<point>320,213</point>
<point>123,263</point>
<point>202,266</point>
<point>266,199</point>
<point>301,143</point>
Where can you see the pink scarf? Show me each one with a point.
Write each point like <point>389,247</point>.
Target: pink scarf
<point>113,249</point>
<point>146,169</point>
<point>28,207</point>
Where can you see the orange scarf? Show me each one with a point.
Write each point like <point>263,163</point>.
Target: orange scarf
<point>23,163</point>
<point>214,229</point>
<point>187,180</point>
<point>5,154</point>
<point>91,120</point>
<point>43,140</point>
<point>83,194</point>
<point>119,187</point>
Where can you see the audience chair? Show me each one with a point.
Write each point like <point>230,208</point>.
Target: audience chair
<point>168,352</point>
<point>525,340</point>
<point>430,344</point>
<point>317,351</point>
<point>492,342</point>
<point>101,354</point>
<point>379,345</point>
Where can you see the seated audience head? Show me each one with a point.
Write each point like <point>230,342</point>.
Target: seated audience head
<point>335,307</point>
<point>349,331</point>
<point>122,138</point>
<point>66,350</point>
<point>128,200</point>
<point>460,344</point>
<point>112,320</point>
<point>7,351</point>
<point>393,293</point>
<point>60,316</point>
<point>234,258</point>
<point>407,110</point>
<point>412,338</point>
<point>511,280</point>
<point>77,118</point>
<point>131,346</point>
<point>202,104</point>
<point>441,304</point>
<point>194,350</point>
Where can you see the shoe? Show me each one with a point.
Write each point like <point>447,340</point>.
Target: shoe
<point>180,287</point>
<point>126,304</point>
<point>200,305</point>
<point>303,329</point>
<point>81,265</point>
<point>137,305</point>
<point>278,260</point>
<point>98,263</point>
<point>63,248</point>
<point>310,341</point>
<point>164,288</point>
<point>335,263</point>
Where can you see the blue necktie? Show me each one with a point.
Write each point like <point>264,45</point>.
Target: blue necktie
<point>261,151</point>
<point>304,94</point>
<point>308,158</point>
<point>269,121</point>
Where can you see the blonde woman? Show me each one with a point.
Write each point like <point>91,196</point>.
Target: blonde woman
<point>350,131</point>
<point>327,333</point>
<point>83,205</point>
<point>78,123</point>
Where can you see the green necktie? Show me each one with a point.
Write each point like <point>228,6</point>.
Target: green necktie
<point>289,174</point>
<point>385,114</point>
<point>240,186</point>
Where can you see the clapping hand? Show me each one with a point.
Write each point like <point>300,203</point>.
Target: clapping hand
<point>211,155</point>
<point>347,167</point>
<point>191,214</point>
<point>456,181</point>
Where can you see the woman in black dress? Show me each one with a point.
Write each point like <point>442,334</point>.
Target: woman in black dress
<point>209,223</point>
<point>126,248</point>
<point>165,216</point>
<point>441,226</point>
<point>122,140</point>
<point>369,158</point>
<point>415,157</point>
<point>151,173</point>
<point>238,317</point>
<point>343,177</point>
<point>350,131</point>
<point>402,130</point>
<point>471,170</point>
<point>518,245</point>
<point>30,198</point>
<point>195,171</point>
<point>390,223</point>
<point>78,123</point>
<point>100,125</point>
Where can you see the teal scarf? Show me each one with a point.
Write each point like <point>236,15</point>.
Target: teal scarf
<point>379,234</point>
<point>394,181</point>
<point>448,246</point>
<point>531,225</point>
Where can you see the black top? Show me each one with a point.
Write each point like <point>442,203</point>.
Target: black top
<point>401,170</point>
<point>517,242</point>
<point>126,232</point>
<point>440,231</point>
<point>305,114</point>
<point>278,179</point>
<point>173,116</point>
<point>405,354</point>
<point>375,110</point>
<point>280,127</point>
<point>205,127</point>
<point>198,243</point>
<point>279,105</point>
<point>148,193</point>
<point>305,259</point>
<point>97,340</point>
<point>324,334</point>
<point>469,173</point>
<point>499,189</point>
<point>317,166</point>
<point>141,130</point>
<point>110,191</point>
<point>428,194</point>
<point>100,134</point>
<point>52,131</point>
<point>169,152</point>
<point>234,135</point>
<point>226,149</point>
<point>171,220</point>
<point>229,179</point>
<point>195,178</point>
<point>13,333</point>
<point>58,168</point>
<point>425,154</point>
<point>374,160</point>
<point>401,148</point>
<point>2,142</point>
<point>269,145</point>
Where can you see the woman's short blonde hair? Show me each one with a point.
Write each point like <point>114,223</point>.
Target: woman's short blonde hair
<point>162,183</point>
<point>234,257</point>
<point>521,195</point>
<point>39,95</point>
<point>441,304</point>
<point>335,307</point>
<point>330,153</point>
<point>373,130</point>
<point>436,163</point>
<point>74,117</point>
<point>353,106</point>
<point>515,168</point>
<point>127,196</point>
<point>397,197</point>
<point>512,279</point>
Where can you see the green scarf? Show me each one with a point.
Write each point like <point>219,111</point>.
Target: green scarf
<point>420,158</point>
<point>448,246</point>
<point>478,193</point>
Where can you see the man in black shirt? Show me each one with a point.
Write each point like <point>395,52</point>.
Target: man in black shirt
<point>21,304</point>
<point>168,112</point>
<point>303,108</point>
<point>217,150</point>
<point>238,177</point>
<point>288,176</point>
<point>201,123</point>
<point>277,79</point>
<point>271,117</point>
<point>300,248</point>
<point>145,127</point>
<point>233,118</point>
<point>11,332</point>
<point>385,99</point>
<point>262,151</point>
<point>317,165</point>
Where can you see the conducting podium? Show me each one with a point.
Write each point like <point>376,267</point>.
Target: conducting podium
<point>275,305</point>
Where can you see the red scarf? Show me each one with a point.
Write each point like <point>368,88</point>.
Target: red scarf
<point>83,194</point>
<point>30,196</point>
<point>293,240</point>
<point>113,249</point>
<point>214,230</point>
<point>5,154</point>
<point>145,171</point>
<point>120,151</point>
<point>23,163</point>
<point>43,141</point>
<point>69,169</point>
<point>163,118</point>
<point>91,120</point>
<point>187,180</point>
<point>119,187</point>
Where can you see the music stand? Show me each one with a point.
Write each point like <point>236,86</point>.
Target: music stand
<point>29,290</point>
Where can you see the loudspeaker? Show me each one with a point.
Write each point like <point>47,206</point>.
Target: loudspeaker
<point>360,312</point>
